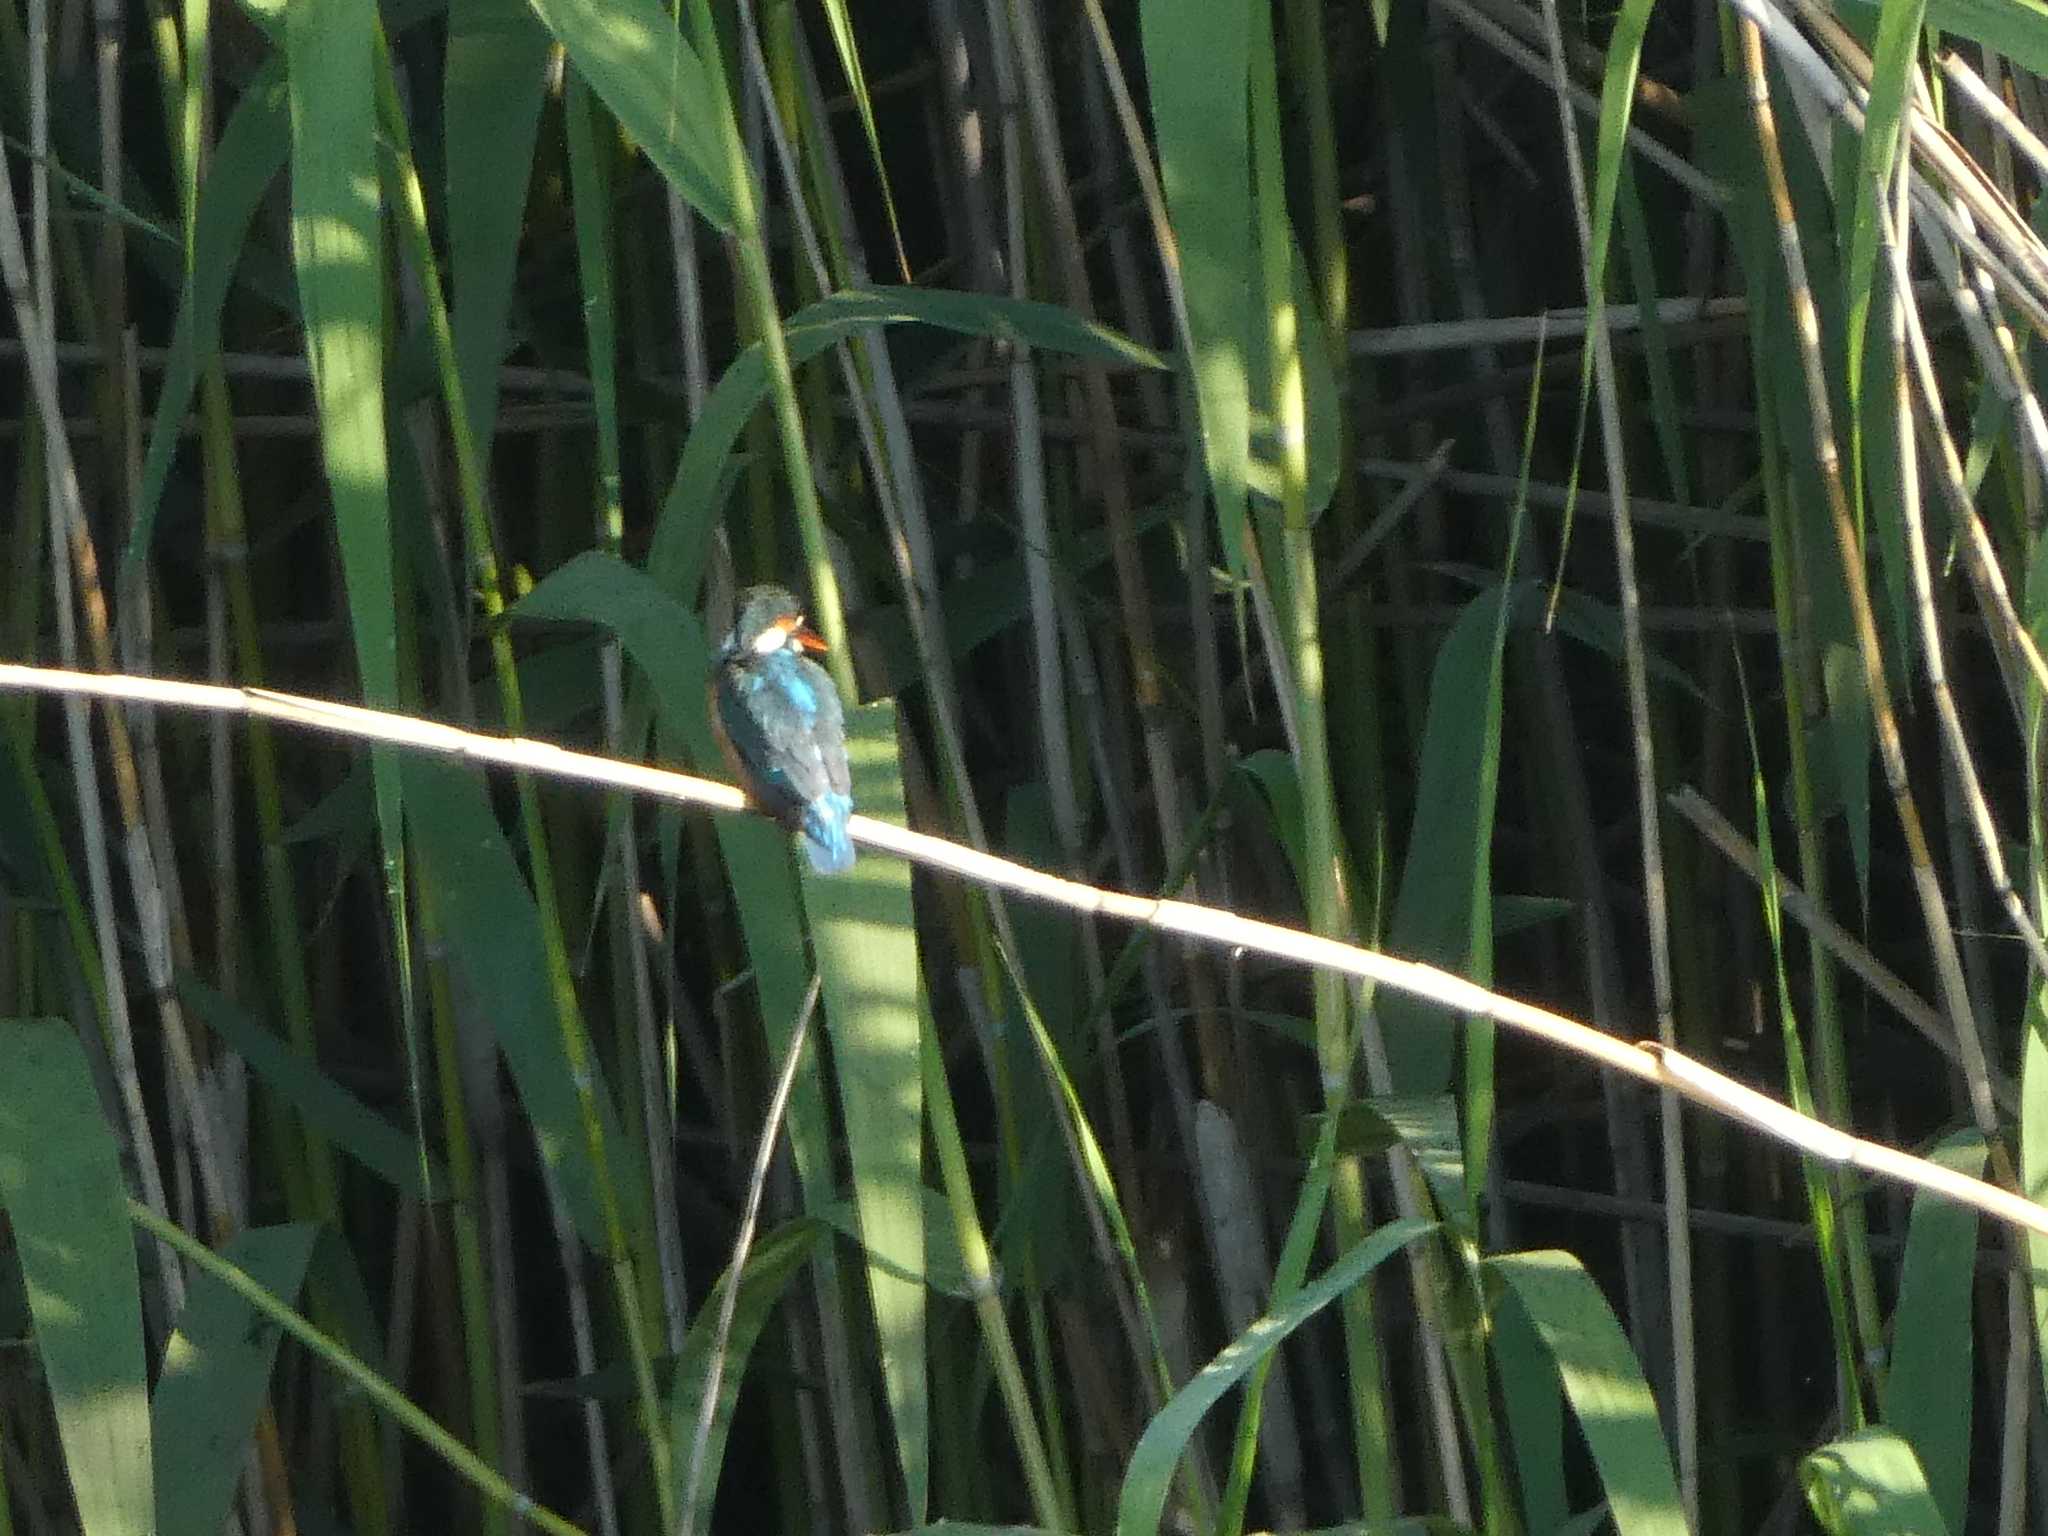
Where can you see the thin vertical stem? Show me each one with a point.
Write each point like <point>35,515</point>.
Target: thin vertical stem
<point>36,323</point>
<point>1677,1222</point>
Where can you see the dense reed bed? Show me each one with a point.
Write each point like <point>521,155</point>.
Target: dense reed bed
<point>1557,497</point>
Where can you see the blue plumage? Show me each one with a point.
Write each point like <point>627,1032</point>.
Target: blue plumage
<point>781,726</point>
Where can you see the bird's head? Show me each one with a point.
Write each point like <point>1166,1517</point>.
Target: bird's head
<point>768,620</point>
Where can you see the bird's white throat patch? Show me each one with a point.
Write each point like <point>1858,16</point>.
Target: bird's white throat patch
<point>770,640</point>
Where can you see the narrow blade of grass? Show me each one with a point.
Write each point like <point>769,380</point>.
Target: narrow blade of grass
<point>846,43</point>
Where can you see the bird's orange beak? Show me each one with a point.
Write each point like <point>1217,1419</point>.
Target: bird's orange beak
<point>792,624</point>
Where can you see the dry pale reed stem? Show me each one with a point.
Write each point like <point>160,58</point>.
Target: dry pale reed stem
<point>1932,655</point>
<point>1684,1398</point>
<point>1647,1062</point>
<point>1891,750</point>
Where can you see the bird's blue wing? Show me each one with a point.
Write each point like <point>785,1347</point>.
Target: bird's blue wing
<point>785,719</point>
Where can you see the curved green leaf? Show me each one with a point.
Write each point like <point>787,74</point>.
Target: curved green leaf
<point>676,557</point>
<point>655,85</point>
<point>1870,1485</point>
<point>774,1262</point>
<point>1166,1438</point>
<point>1604,1385</point>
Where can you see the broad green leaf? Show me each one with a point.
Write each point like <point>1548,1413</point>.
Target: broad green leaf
<point>2033,1140</point>
<point>1532,1403</point>
<point>774,1262</point>
<point>981,605</point>
<point>1048,944</point>
<point>1426,1126</point>
<point>337,251</point>
<point>240,169</point>
<point>1512,914</point>
<point>1728,151</point>
<point>944,1270</point>
<point>1166,1438</point>
<point>215,1374</point>
<point>1198,74</point>
<point>1604,1385</point>
<point>1319,400</point>
<point>1408,1525</point>
<point>1928,1389</point>
<point>639,63</point>
<point>865,935</point>
<point>1869,418</point>
<point>1446,895</point>
<point>337,247</point>
<point>1870,1484</point>
<point>1585,619</point>
<point>1849,736</point>
<point>491,102</point>
<point>60,1184</point>
<point>336,1279</point>
<point>492,927</point>
<point>327,1107</point>
<point>2016,28</point>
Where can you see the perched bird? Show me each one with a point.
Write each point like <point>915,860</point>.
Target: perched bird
<point>780,724</point>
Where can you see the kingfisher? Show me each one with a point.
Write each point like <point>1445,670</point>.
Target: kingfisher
<point>781,726</point>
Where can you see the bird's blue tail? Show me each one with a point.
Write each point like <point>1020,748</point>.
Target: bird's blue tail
<point>825,839</point>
